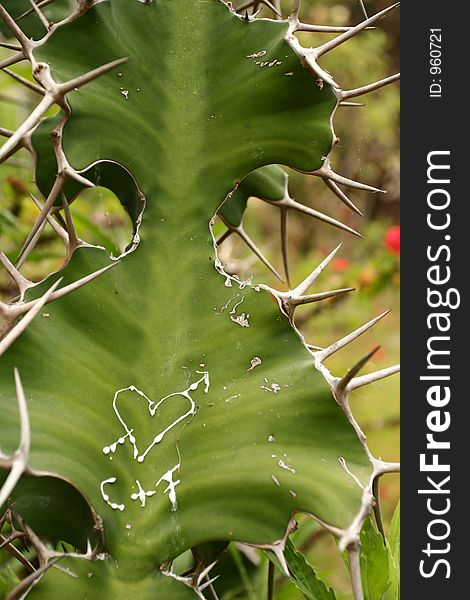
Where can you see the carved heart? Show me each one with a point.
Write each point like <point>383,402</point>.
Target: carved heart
<point>152,407</point>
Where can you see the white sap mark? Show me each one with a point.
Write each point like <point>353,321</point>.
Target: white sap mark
<point>243,318</point>
<point>229,400</point>
<point>257,54</point>
<point>289,74</point>
<point>125,93</point>
<point>276,480</point>
<point>171,488</point>
<point>293,494</point>
<point>128,526</point>
<point>287,467</point>
<point>255,362</point>
<point>247,282</point>
<point>113,447</point>
<point>229,302</point>
<point>113,505</point>
<point>142,495</point>
<point>274,388</point>
<point>271,439</point>
<point>273,455</point>
<point>152,408</point>
<point>228,282</point>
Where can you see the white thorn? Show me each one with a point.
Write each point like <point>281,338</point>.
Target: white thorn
<point>346,94</point>
<point>358,382</point>
<point>327,352</point>
<point>64,236</point>
<point>308,281</point>
<point>254,248</point>
<point>22,283</point>
<point>18,329</point>
<point>355,570</point>
<point>342,383</point>
<point>285,243</point>
<point>40,14</point>
<point>340,39</point>
<point>326,172</point>
<point>72,286</point>
<point>293,205</point>
<point>299,300</point>
<point>21,456</point>
<point>81,80</point>
<point>12,60</point>
<point>341,195</point>
<point>32,86</point>
<point>74,241</point>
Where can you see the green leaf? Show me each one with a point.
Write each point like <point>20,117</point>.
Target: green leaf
<point>143,381</point>
<point>267,183</point>
<point>374,563</point>
<point>393,544</point>
<point>304,577</point>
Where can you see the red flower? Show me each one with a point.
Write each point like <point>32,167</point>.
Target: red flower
<point>392,239</point>
<point>340,264</point>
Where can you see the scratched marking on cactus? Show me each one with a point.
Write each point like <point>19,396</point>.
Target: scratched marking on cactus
<point>113,505</point>
<point>169,477</point>
<point>152,408</point>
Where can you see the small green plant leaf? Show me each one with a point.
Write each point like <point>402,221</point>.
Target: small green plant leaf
<point>374,563</point>
<point>303,576</point>
<point>393,543</point>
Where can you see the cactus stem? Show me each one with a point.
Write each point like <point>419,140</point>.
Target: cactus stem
<point>355,570</point>
<point>347,94</point>
<point>25,82</point>
<point>308,281</point>
<point>342,384</point>
<point>348,339</point>
<point>342,196</point>
<point>340,39</point>
<point>40,14</point>
<point>359,382</point>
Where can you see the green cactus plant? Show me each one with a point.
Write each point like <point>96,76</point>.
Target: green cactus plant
<point>163,403</point>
